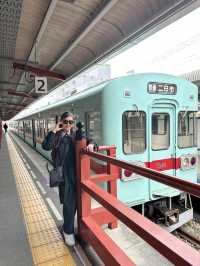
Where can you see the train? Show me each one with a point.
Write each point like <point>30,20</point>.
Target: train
<point>151,118</point>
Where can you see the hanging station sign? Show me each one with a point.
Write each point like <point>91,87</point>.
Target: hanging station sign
<point>41,85</point>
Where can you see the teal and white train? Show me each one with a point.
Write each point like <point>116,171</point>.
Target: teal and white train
<point>151,118</point>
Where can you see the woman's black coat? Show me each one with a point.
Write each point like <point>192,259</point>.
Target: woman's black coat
<point>63,153</point>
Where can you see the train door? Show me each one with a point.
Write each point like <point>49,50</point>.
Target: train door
<point>162,151</point>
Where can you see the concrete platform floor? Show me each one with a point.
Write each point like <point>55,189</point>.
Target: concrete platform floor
<point>14,247</point>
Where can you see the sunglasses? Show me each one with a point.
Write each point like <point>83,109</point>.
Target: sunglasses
<point>70,122</point>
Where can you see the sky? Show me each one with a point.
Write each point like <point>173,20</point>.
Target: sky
<point>174,50</point>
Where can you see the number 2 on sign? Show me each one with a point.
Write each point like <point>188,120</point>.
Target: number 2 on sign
<point>40,84</point>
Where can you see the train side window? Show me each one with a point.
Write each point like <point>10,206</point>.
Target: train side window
<point>93,126</point>
<point>27,125</point>
<point>51,123</point>
<point>41,129</point>
<point>134,132</point>
<point>187,129</point>
<point>21,129</point>
<point>160,131</point>
<point>37,128</point>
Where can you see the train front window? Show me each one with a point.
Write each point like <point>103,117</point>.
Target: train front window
<point>160,131</point>
<point>134,137</point>
<point>187,130</point>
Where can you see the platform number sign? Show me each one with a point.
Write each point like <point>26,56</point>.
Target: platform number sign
<point>40,84</point>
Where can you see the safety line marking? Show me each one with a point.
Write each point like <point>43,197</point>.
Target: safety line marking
<point>41,188</point>
<point>29,155</point>
<point>54,209</point>
<point>33,174</point>
<point>28,166</point>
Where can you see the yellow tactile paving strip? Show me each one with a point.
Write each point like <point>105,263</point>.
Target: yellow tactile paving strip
<point>47,246</point>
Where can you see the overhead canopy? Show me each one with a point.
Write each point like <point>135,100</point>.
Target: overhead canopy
<point>194,76</point>
<point>59,38</point>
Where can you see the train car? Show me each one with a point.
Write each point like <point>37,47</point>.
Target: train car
<point>198,143</point>
<point>149,117</point>
<point>198,130</point>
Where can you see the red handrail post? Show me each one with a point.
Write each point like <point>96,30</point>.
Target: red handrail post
<point>82,172</point>
<point>112,185</point>
<point>85,197</point>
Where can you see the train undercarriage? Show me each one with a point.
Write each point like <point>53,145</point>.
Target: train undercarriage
<point>170,213</point>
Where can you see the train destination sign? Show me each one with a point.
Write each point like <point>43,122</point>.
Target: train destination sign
<point>161,88</point>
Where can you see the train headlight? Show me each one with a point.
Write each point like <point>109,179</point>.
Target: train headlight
<point>193,161</point>
<point>188,161</point>
<point>185,162</point>
<point>128,175</point>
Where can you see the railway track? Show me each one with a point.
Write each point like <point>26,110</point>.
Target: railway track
<point>186,237</point>
<point>190,233</point>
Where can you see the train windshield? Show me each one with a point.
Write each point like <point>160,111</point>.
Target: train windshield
<point>187,129</point>
<point>134,137</point>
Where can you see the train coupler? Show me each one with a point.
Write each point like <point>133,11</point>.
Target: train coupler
<point>168,216</point>
<point>171,217</point>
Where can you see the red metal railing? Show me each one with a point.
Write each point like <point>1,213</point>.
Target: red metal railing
<point>89,220</point>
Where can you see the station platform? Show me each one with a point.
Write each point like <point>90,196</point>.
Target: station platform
<point>14,247</point>
<point>28,233</point>
<point>32,166</point>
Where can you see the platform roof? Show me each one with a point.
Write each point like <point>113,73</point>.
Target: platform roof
<point>193,76</point>
<point>59,38</point>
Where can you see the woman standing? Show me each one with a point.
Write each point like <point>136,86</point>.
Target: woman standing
<point>61,140</point>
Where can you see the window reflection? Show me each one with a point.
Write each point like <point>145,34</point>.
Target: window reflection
<point>187,130</point>
<point>134,137</point>
<point>160,131</point>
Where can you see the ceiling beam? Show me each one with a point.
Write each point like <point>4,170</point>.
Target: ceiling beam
<point>5,82</point>
<point>44,24</point>
<point>22,94</point>
<point>7,92</point>
<point>11,109</point>
<point>15,104</point>
<point>5,59</point>
<point>90,25</point>
<point>39,71</point>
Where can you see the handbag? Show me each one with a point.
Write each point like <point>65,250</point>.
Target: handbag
<point>56,174</point>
